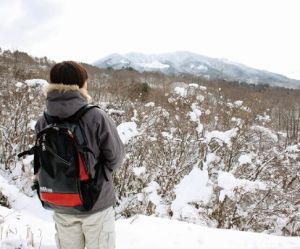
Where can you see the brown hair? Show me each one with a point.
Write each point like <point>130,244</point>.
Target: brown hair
<point>68,73</point>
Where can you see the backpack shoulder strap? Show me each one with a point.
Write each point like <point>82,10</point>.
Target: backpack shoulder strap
<point>51,119</point>
<point>77,115</point>
<point>73,118</point>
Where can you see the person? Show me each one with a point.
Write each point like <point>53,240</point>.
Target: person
<point>66,93</point>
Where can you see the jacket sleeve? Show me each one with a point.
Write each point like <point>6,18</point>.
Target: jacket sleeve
<point>110,144</point>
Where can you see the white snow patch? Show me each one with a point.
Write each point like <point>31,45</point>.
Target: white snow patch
<point>19,84</point>
<point>28,159</point>
<point>223,136</point>
<point>195,114</point>
<point>194,187</point>
<point>139,170</point>
<point>154,64</point>
<point>200,98</point>
<point>32,124</point>
<point>202,68</point>
<point>211,157</point>
<point>152,189</point>
<point>127,131</point>
<point>244,159</point>
<point>292,149</point>
<point>180,91</point>
<point>167,135</point>
<point>195,85</point>
<point>114,111</point>
<point>195,117</point>
<point>265,118</point>
<point>36,82</point>
<point>150,104</point>
<point>238,103</point>
<point>228,182</point>
<point>265,131</point>
<point>207,112</point>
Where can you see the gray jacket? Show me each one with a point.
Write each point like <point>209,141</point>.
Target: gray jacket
<point>100,131</point>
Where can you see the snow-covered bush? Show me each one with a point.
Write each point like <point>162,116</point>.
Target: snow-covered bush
<point>20,102</point>
<point>192,155</point>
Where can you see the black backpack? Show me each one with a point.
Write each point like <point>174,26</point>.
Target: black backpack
<point>61,164</point>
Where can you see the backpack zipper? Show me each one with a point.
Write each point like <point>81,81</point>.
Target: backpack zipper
<point>53,153</point>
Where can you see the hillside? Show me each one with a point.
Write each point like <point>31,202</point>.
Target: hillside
<point>212,153</point>
<point>198,65</point>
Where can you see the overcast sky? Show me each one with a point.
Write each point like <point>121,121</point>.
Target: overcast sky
<point>259,33</point>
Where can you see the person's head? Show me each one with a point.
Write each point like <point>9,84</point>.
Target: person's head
<point>68,73</point>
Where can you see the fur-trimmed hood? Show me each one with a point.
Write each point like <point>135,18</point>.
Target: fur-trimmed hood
<point>66,88</point>
<point>64,100</point>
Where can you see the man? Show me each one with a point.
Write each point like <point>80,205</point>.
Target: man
<point>66,94</point>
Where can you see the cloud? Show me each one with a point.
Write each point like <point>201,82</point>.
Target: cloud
<point>261,34</point>
<point>27,22</point>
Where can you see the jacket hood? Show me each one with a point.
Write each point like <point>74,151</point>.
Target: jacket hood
<point>64,100</point>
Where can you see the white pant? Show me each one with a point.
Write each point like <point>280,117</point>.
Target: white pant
<point>93,231</point>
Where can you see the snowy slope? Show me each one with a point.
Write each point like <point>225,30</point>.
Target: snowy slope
<point>27,225</point>
<point>186,62</point>
<point>20,230</point>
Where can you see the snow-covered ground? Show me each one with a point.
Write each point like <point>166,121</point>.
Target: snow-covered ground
<point>27,225</point>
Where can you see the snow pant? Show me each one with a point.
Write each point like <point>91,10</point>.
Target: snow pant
<point>93,231</point>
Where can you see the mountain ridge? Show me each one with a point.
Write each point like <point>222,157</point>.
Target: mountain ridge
<point>185,62</point>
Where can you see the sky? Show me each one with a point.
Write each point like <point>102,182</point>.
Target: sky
<point>259,33</point>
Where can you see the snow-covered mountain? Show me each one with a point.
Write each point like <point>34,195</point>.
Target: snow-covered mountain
<point>190,63</point>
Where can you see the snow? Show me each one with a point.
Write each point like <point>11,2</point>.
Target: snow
<point>31,227</point>
<point>142,232</point>
<point>27,221</point>
<point>114,111</point>
<point>194,187</point>
<point>28,159</point>
<point>19,201</point>
<point>194,85</point>
<point>36,82</point>
<point>238,103</point>
<point>139,170</point>
<point>152,189</point>
<point>180,91</point>
<point>228,183</point>
<point>207,112</point>
<point>195,114</point>
<point>195,117</point>
<point>18,226</point>
<point>244,159</point>
<point>292,148</point>
<point>19,84</point>
<point>223,136</point>
<point>200,98</point>
<point>154,64</point>
<point>127,131</point>
<point>210,157</point>
<point>202,68</point>
<point>32,124</point>
<point>150,104</point>
<point>167,135</point>
<point>265,118</point>
<point>265,131</point>
<point>26,217</point>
